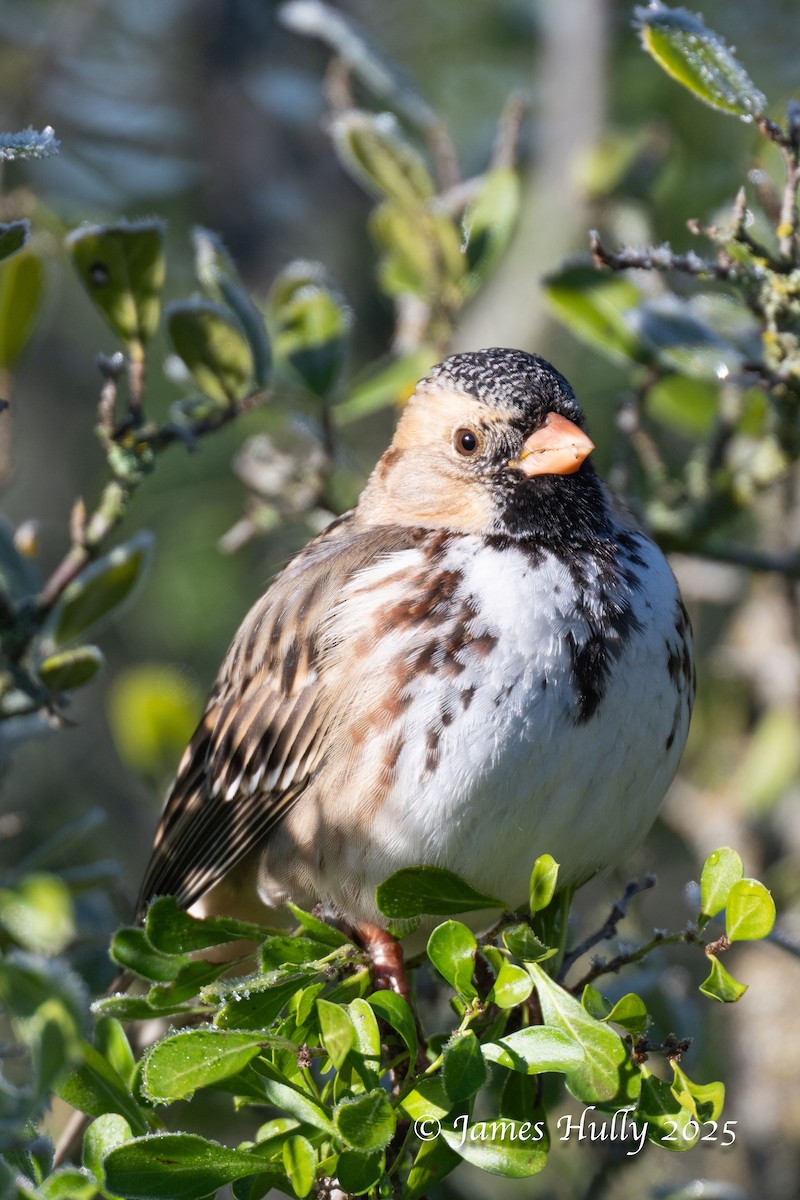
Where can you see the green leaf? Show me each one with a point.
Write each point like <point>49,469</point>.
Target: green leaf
<point>70,669</point>
<point>21,288</point>
<point>300,1161</point>
<point>721,870</point>
<point>13,236</point>
<point>451,949</point>
<point>176,1067</point>
<point>96,1088</point>
<point>524,944</point>
<point>180,1166</point>
<point>681,340</point>
<point>311,326</point>
<point>131,949</point>
<point>749,911</point>
<point>464,1071</point>
<point>112,1043</point>
<point>699,59</point>
<point>318,930</point>
<point>490,220</point>
<point>720,985</point>
<point>595,308</point>
<point>69,1183</point>
<point>372,149</point>
<point>511,986</point>
<point>629,1012</point>
<point>368,1039</point>
<point>292,1100</point>
<point>256,1003</point>
<point>512,1149</point>
<point>283,951</point>
<point>153,711</point>
<point>38,913</point>
<point>429,891</point>
<point>338,1034</point>
<point>394,1010</point>
<point>428,1099</point>
<point>213,348</point>
<point>705,1100</point>
<point>688,405</point>
<point>595,1004</point>
<point>606,1072</point>
<point>357,1173</point>
<point>104,1135</point>
<point>389,385</point>
<point>434,1161</point>
<point>669,1124</point>
<point>100,589</point>
<point>219,277</point>
<point>172,930</point>
<point>536,1049</point>
<point>544,879</point>
<point>367,1122</point>
<point>188,983</point>
<point>122,268</point>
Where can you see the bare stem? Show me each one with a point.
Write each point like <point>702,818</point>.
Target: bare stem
<point>659,258</point>
<point>609,927</point>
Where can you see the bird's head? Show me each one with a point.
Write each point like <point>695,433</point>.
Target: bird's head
<point>490,442</point>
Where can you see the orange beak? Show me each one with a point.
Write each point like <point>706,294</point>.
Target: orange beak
<point>558,448</point>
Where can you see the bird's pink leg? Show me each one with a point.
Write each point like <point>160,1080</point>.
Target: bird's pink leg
<point>387,959</point>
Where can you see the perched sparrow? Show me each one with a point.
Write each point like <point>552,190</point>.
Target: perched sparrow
<point>484,660</point>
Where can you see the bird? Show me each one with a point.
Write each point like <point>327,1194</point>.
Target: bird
<point>484,660</point>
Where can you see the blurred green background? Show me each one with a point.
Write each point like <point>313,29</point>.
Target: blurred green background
<point>212,113</point>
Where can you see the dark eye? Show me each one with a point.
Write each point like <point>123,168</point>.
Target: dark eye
<point>466,441</point>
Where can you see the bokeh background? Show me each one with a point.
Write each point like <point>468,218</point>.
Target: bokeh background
<point>212,112</point>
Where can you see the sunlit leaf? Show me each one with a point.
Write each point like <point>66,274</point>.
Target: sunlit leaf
<point>669,1124</point>
<point>721,870</point>
<point>544,879</point>
<point>21,288</point>
<point>749,911</point>
<point>595,308</point>
<point>338,1034</point>
<point>705,1100</point>
<point>375,152</point>
<point>606,1072</point>
<point>699,59</point>
<point>300,1163</point>
<point>100,589</point>
<point>451,949</point>
<point>70,669</point>
<point>219,277</point>
<point>152,711</point>
<point>536,1049</point>
<point>429,891</point>
<point>214,349</point>
<point>365,1122</point>
<point>122,268</point>
<point>464,1071</point>
<point>720,985</point>
<point>181,1166</point>
<point>38,913</point>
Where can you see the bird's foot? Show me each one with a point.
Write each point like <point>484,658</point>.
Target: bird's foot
<point>386,953</point>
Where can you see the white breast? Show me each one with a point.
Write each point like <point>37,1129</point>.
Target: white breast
<point>515,773</point>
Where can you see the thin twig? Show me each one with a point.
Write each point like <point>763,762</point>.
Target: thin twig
<point>659,258</point>
<point>611,966</point>
<point>609,927</point>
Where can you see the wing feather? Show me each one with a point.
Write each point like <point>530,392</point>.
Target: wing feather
<point>266,727</point>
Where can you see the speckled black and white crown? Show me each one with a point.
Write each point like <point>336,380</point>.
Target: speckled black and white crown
<point>522,383</point>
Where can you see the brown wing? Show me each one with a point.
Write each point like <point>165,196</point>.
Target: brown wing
<point>264,733</point>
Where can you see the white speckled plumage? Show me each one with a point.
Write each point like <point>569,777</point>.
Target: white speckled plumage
<point>484,661</point>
